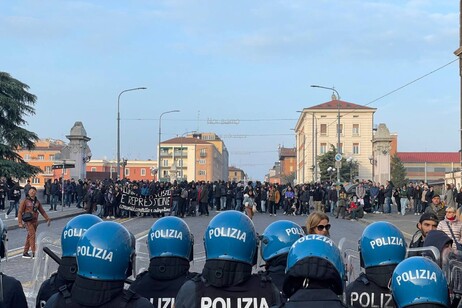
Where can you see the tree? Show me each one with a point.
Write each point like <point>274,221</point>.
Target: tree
<point>288,178</point>
<point>15,104</point>
<point>398,172</point>
<point>328,160</point>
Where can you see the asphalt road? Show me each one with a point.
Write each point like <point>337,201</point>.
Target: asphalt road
<point>32,272</point>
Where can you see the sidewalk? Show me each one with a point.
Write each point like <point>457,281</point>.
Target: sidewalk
<point>12,224</point>
<point>407,223</point>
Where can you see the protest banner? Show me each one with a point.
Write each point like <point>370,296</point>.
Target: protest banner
<point>158,203</point>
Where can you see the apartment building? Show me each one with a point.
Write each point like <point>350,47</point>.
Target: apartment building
<point>316,132</point>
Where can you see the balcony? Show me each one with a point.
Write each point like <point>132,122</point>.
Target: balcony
<point>165,154</point>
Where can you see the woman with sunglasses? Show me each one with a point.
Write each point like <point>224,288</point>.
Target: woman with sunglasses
<point>318,223</point>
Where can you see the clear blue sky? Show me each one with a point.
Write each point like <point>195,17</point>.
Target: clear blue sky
<point>246,60</point>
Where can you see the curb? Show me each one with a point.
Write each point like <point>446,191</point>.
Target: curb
<point>41,220</point>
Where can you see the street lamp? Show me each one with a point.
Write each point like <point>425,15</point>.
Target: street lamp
<point>118,126</point>
<point>331,171</point>
<point>159,167</point>
<point>338,121</point>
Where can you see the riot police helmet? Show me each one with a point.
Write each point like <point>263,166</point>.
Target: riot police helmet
<point>73,230</point>
<point>278,237</point>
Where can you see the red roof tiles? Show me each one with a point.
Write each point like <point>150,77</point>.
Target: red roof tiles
<point>334,104</point>
<point>429,157</point>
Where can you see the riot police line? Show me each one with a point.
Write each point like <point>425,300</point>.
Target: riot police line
<point>96,268</point>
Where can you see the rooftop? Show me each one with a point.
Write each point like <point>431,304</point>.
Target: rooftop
<point>429,157</point>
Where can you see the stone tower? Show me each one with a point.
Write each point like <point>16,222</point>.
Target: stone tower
<point>381,145</point>
<point>78,150</point>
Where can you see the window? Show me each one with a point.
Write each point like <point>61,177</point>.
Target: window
<point>323,148</point>
<point>439,169</point>
<point>202,172</point>
<point>165,163</point>
<point>41,157</point>
<point>93,169</point>
<point>127,171</point>
<point>143,172</point>
<point>26,156</point>
<point>203,152</point>
<point>52,157</point>
<point>48,170</point>
<point>355,148</point>
<point>201,161</point>
<point>35,181</point>
<point>355,129</point>
<point>323,130</point>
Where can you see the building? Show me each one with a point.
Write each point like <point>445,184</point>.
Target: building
<point>288,161</point>
<point>43,156</point>
<point>316,133</point>
<point>135,170</point>
<point>429,166</point>
<point>196,157</point>
<point>236,174</point>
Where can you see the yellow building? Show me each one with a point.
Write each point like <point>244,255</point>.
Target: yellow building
<point>236,174</point>
<point>192,158</point>
<point>316,132</point>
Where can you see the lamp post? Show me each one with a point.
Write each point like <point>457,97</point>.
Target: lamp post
<point>338,121</point>
<point>331,171</point>
<point>159,163</point>
<point>118,126</point>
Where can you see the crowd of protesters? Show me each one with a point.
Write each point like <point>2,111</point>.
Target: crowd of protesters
<point>198,198</point>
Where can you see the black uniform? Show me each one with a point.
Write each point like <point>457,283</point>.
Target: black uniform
<point>13,294</point>
<point>325,298</point>
<point>160,284</point>
<point>97,294</point>
<point>365,292</point>
<point>50,287</point>
<point>254,292</point>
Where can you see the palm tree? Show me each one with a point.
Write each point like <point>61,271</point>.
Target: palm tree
<point>15,104</point>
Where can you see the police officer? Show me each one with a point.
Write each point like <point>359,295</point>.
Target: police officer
<point>276,241</point>
<point>105,255</point>
<point>67,269</point>
<point>419,282</point>
<point>381,247</point>
<point>170,245</point>
<point>12,294</point>
<point>314,273</point>
<point>231,250</point>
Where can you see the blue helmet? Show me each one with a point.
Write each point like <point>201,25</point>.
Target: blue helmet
<point>381,243</point>
<point>106,252</point>
<point>231,236</point>
<point>73,230</point>
<point>320,250</point>
<point>418,280</point>
<point>278,237</point>
<point>170,237</point>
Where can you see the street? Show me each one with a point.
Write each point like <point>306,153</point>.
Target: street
<point>32,272</point>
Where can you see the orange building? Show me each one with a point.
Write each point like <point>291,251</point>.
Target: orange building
<point>235,174</point>
<point>288,160</point>
<point>43,156</point>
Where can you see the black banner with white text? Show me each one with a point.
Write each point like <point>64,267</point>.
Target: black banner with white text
<point>158,203</point>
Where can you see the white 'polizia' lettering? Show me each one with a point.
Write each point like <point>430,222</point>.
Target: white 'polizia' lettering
<point>385,241</point>
<point>167,233</point>
<point>94,252</point>
<point>228,232</point>
<point>74,232</point>
<point>244,302</point>
<point>315,237</point>
<point>416,274</point>
<point>295,231</point>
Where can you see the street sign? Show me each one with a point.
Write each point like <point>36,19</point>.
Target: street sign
<point>338,164</point>
<point>65,166</point>
<point>338,157</point>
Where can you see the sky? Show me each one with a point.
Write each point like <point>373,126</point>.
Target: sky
<point>250,61</point>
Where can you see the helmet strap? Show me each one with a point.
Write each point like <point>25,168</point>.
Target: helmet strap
<point>167,268</point>
<point>226,273</point>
